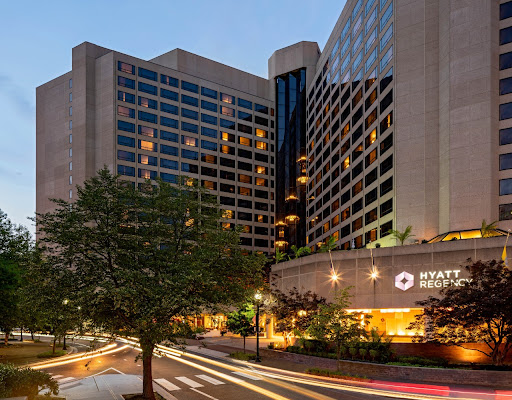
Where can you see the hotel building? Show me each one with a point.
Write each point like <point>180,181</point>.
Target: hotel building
<point>404,118</point>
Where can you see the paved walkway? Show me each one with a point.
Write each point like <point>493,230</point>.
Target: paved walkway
<point>107,387</point>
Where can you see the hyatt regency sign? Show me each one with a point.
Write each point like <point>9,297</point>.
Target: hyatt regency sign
<point>430,279</point>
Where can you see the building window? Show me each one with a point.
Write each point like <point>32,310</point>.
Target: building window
<point>209,119</point>
<point>147,74</point>
<point>506,10</point>
<point>226,98</point>
<point>71,83</point>
<point>386,207</point>
<point>505,212</point>
<point>70,138</point>
<point>261,133</point>
<point>191,101</point>
<point>168,80</point>
<point>70,193</point>
<point>505,161</point>
<point>147,145</point>
<point>244,103</point>
<point>125,112</point>
<point>505,111</point>
<point>191,155</point>
<point>506,61</point>
<point>209,92</point>
<point>125,170</point>
<point>169,164</point>
<point>189,114</point>
<point>147,174</point>
<point>170,150</point>
<point>505,187</point>
<point>126,82</point>
<point>230,112</point>
<point>169,108</point>
<point>189,87</point>
<point>189,141</point>
<point>170,122</point>
<point>244,141</point>
<point>148,117</point>
<point>148,160</point>
<point>505,136</point>
<point>207,105</point>
<point>125,141</point>
<point>505,35</point>
<point>385,228</point>
<point>70,97</point>
<point>71,152</point>
<point>146,88</point>
<point>169,94</point>
<point>207,145</point>
<point>125,155</point>
<point>125,67</point>
<point>170,178</point>
<point>185,126</point>
<point>71,165</point>
<point>70,124</point>
<point>505,86</point>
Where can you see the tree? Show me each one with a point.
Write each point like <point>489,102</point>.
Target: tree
<point>143,260</point>
<point>479,311</point>
<point>402,236</point>
<point>328,246</point>
<point>293,312</point>
<point>300,251</point>
<point>240,322</point>
<point>334,324</point>
<point>15,245</point>
<point>487,229</point>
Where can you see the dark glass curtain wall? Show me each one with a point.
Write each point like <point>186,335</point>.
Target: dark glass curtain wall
<point>291,177</point>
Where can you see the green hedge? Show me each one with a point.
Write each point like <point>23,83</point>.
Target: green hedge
<point>16,381</point>
<point>335,374</point>
<point>239,355</point>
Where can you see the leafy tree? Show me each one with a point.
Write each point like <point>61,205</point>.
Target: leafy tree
<point>328,246</point>
<point>402,236</point>
<point>15,245</point>
<point>334,324</point>
<point>479,311</point>
<point>143,260</point>
<point>487,229</point>
<point>293,312</point>
<point>240,322</point>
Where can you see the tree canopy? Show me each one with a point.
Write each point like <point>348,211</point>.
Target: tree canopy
<point>479,311</point>
<point>141,260</point>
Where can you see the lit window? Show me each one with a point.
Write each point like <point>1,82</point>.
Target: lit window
<point>228,137</point>
<point>147,145</point>
<point>260,169</point>
<point>244,141</point>
<point>244,178</point>
<point>125,67</point>
<point>125,112</point>
<point>189,141</point>
<point>261,182</point>
<point>261,133</point>
<point>345,164</point>
<point>226,98</point>
<point>244,191</point>
<point>230,112</point>
<point>228,213</point>
<point>261,145</point>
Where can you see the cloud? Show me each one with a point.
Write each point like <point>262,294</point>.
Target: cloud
<point>14,94</point>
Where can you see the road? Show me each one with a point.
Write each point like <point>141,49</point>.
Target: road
<point>196,377</point>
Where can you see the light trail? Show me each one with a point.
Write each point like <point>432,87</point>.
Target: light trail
<point>109,349</point>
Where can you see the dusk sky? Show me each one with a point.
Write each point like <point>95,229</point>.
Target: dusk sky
<point>37,38</point>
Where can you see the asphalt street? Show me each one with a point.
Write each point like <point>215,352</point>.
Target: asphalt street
<point>196,377</point>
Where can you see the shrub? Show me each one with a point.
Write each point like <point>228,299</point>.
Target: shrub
<point>363,352</point>
<point>47,354</point>
<point>353,351</point>
<point>24,382</point>
<point>243,356</point>
<point>335,374</point>
<point>374,354</point>
<point>314,346</point>
<point>423,362</point>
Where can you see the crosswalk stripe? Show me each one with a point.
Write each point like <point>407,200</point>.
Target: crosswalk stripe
<point>254,378</point>
<point>166,384</point>
<point>209,379</point>
<point>63,380</point>
<point>188,381</point>
<point>57,376</point>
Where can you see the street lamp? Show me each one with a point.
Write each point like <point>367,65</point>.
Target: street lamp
<point>258,297</point>
<point>65,302</point>
<point>374,275</point>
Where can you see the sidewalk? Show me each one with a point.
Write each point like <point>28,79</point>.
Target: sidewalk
<point>107,387</point>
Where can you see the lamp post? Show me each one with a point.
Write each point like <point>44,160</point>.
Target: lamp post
<point>65,302</point>
<point>257,296</point>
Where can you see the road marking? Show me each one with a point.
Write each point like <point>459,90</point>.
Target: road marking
<point>254,378</point>
<point>204,394</point>
<point>108,369</point>
<point>188,381</point>
<point>207,378</point>
<point>166,384</point>
<point>57,376</point>
<point>63,380</point>
<point>164,393</point>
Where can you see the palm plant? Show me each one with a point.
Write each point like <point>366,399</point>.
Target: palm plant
<point>329,245</point>
<point>279,256</point>
<point>300,251</point>
<point>402,236</point>
<point>487,229</point>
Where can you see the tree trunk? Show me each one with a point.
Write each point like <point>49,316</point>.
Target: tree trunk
<point>64,346</point>
<point>53,348</point>
<point>21,335</point>
<point>32,335</point>
<point>147,374</point>
<point>244,344</point>
<point>6,338</point>
<point>338,355</point>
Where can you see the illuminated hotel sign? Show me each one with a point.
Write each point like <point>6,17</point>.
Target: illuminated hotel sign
<point>431,279</point>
